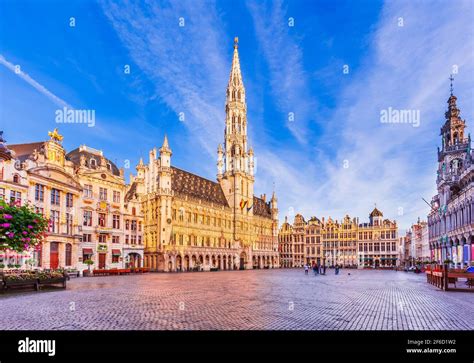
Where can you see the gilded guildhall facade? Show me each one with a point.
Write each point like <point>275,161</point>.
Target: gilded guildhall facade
<point>84,196</point>
<point>194,223</point>
<point>346,243</point>
<point>451,220</point>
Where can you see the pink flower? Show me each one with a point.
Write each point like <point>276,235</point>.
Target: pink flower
<point>26,246</point>
<point>6,225</point>
<point>11,234</point>
<point>35,221</point>
<point>30,226</point>
<point>24,233</point>
<point>7,216</point>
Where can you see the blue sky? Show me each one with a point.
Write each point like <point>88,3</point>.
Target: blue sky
<point>287,69</point>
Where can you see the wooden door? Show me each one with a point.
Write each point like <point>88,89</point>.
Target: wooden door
<point>102,257</point>
<point>54,255</point>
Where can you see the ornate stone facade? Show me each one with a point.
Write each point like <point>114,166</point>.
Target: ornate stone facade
<point>346,243</point>
<point>451,220</point>
<point>54,192</point>
<point>195,223</point>
<point>93,214</point>
<point>111,230</point>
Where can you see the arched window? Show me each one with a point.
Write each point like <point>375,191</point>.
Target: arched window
<point>134,211</point>
<point>16,178</point>
<point>68,254</point>
<point>93,162</point>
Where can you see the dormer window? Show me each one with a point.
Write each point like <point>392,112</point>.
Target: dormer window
<point>16,178</point>
<point>93,163</point>
<point>109,167</point>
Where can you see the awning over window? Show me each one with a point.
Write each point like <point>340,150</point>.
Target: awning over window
<point>116,252</point>
<point>87,251</point>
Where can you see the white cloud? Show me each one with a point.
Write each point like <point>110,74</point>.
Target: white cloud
<point>187,64</point>
<point>391,165</point>
<point>39,87</point>
<point>288,79</point>
<point>406,67</point>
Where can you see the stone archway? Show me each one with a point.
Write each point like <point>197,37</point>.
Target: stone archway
<point>186,263</point>
<point>135,260</point>
<point>243,261</point>
<point>179,263</point>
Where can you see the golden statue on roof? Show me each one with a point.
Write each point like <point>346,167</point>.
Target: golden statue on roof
<point>55,136</point>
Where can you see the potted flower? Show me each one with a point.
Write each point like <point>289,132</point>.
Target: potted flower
<point>14,279</point>
<point>51,277</point>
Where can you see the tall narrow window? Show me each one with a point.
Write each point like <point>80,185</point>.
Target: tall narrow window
<point>39,193</point>
<point>69,200</point>
<point>55,196</point>
<point>87,191</point>
<point>102,193</point>
<point>102,220</point>
<point>68,254</point>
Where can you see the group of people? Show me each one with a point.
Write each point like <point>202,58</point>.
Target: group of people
<point>319,269</point>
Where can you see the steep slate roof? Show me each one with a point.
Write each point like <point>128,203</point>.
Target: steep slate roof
<point>260,208</point>
<point>376,213</point>
<point>194,186</point>
<point>23,151</point>
<point>131,192</point>
<point>75,157</point>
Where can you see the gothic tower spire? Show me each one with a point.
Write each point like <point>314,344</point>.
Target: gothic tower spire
<point>235,161</point>
<point>453,128</point>
<point>236,155</point>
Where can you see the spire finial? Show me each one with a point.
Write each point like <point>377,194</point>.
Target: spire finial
<point>236,42</point>
<point>451,78</point>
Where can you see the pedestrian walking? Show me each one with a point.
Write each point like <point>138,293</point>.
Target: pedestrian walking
<point>306,267</point>
<point>337,269</point>
<point>315,269</point>
<point>324,269</point>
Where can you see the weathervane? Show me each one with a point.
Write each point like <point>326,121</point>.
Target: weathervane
<point>451,78</point>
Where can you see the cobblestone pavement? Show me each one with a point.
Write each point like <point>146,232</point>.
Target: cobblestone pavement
<point>261,299</point>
